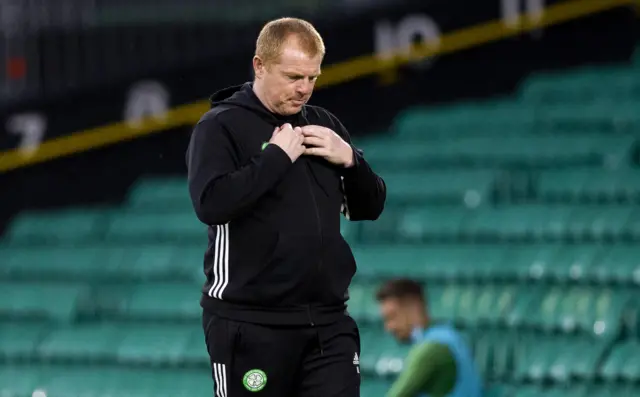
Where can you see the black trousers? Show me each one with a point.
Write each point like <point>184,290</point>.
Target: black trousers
<point>278,361</point>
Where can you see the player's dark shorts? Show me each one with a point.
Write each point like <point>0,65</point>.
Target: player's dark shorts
<point>283,361</point>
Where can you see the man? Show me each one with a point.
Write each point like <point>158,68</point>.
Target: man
<point>440,363</point>
<point>271,175</point>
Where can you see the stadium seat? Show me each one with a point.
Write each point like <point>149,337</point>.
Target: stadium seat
<point>381,354</point>
<point>40,301</point>
<point>167,194</point>
<point>592,310</point>
<point>18,341</point>
<point>163,301</point>
<point>581,86</point>
<point>70,226</point>
<point>489,118</point>
<point>618,264</point>
<point>109,381</point>
<point>362,304</point>
<point>622,362</point>
<point>116,263</point>
<point>133,343</point>
<point>599,116</point>
<point>559,358</point>
<point>469,188</point>
<point>156,228</point>
<point>519,150</point>
<point>589,185</point>
<point>19,381</point>
<point>93,343</point>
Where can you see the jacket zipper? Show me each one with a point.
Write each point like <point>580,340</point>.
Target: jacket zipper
<point>317,210</point>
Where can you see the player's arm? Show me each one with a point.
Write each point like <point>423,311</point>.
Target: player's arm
<point>425,364</point>
<point>365,192</point>
<point>220,188</point>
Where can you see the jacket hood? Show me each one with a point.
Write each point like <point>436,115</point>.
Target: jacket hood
<point>243,96</point>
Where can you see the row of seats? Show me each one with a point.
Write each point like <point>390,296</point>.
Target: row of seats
<point>461,186</point>
<point>592,310</point>
<point>19,381</point>
<point>103,381</point>
<point>517,150</point>
<point>599,264</point>
<point>527,222</point>
<point>506,118</point>
<point>582,85</point>
<point>594,263</point>
<point>513,355</point>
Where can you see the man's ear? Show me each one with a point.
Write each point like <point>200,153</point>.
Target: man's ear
<point>259,67</point>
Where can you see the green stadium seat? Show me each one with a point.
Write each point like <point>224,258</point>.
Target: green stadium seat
<point>156,227</point>
<point>77,381</point>
<point>381,354</point>
<point>612,390</point>
<point>618,264</point>
<point>494,353</point>
<point>451,262</point>
<point>598,222</point>
<point>417,224</point>
<point>525,262</point>
<point>589,185</point>
<point>80,343</point>
<point>622,363</point>
<point>469,188</point>
<point>62,227</point>
<point>362,304</point>
<point>593,310</point>
<point>597,116</point>
<point>529,391</point>
<point>163,301</point>
<point>100,263</point>
<point>19,381</point>
<point>580,86</point>
<point>518,222</point>
<point>519,150</point>
<point>558,358</point>
<point>573,262</point>
<point>55,302</point>
<point>492,118</point>
<point>157,345</point>
<point>167,194</point>
<point>18,341</point>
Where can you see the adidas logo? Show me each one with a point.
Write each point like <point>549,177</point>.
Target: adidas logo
<point>356,360</point>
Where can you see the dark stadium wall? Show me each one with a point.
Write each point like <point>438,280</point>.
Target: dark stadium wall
<point>365,105</point>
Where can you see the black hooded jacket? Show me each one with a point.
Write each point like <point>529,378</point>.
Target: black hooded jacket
<point>275,254</point>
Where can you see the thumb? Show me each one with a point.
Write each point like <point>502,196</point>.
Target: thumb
<point>275,132</point>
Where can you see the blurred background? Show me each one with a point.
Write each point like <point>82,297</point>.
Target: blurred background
<point>508,139</point>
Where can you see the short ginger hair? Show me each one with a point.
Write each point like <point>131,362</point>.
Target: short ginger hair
<point>275,34</point>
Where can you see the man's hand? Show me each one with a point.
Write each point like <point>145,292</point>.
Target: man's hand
<point>324,142</point>
<point>289,139</point>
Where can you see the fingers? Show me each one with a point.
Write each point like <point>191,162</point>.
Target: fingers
<point>317,151</point>
<point>314,141</point>
<point>313,130</point>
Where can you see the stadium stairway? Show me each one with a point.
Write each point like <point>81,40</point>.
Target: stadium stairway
<point>520,215</point>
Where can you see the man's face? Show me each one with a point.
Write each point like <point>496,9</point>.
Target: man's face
<point>397,318</point>
<point>288,81</point>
